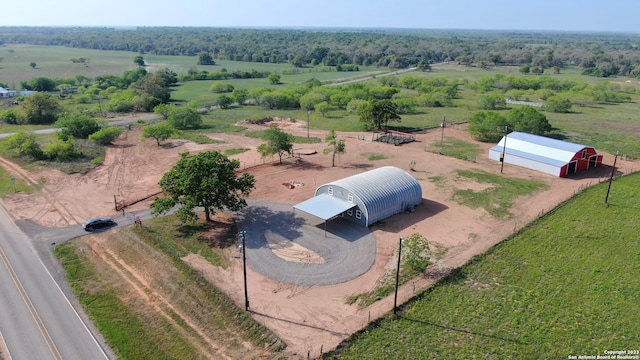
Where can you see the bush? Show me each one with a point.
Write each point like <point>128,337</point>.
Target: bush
<point>11,116</point>
<point>105,135</point>
<point>221,88</point>
<point>24,145</point>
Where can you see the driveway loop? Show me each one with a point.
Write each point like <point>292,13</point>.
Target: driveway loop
<point>348,249</point>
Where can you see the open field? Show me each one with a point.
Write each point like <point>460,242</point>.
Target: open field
<point>54,62</point>
<point>308,319</point>
<point>608,127</point>
<point>565,285</point>
<point>499,310</point>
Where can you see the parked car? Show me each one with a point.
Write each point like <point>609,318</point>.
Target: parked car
<point>98,223</point>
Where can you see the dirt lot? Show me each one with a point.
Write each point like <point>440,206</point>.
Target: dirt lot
<point>309,319</point>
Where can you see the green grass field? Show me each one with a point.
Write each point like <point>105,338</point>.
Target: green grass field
<point>138,331</point>
<point>608,127</point>
<point>565,285</point>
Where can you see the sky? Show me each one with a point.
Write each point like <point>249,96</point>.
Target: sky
<point>552,15</point>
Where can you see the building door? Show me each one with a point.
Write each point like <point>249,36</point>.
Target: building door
<point>593,161</point>
<point>571,169</point>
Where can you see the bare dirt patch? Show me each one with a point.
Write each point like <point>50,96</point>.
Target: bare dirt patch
<point>309,319</point>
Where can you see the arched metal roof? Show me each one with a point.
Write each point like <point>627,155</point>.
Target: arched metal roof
<point>384,191</point>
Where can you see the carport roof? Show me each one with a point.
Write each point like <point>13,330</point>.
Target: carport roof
<point>324,206</point>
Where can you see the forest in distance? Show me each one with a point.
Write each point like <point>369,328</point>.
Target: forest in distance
<point>597,54</point>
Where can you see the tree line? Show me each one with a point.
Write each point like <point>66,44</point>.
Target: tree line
<point>597,54</point>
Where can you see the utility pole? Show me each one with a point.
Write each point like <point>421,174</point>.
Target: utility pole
<point>242,234</point>
<point>308,121</point>
<point>395,298</point>
<point>444,122</point>
<point>504,147</point>
<point>613,170</point>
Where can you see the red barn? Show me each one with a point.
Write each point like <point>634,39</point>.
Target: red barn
<point>551,156</point>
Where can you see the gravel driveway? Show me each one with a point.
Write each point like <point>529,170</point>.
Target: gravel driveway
<point>348,249</point>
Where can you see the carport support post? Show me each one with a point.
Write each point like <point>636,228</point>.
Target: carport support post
<point>395,298</point>
<point>244,269</point>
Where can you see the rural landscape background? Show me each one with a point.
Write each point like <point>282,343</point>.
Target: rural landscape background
<point>563,285</point>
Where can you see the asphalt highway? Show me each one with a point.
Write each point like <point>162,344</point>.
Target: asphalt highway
<point>37,321</point>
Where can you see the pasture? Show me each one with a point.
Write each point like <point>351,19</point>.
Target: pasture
<point>564,285</point>
<point>606,126</point>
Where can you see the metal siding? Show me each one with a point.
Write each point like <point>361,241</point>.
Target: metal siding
<point>382,192</point>
<point>542,146</point>
<point>540,153</point>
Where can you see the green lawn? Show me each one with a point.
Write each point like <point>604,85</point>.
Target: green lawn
<point>565,285</point>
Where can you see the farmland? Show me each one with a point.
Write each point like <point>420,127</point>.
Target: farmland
<point>565,285</point>
<point>544,292</point>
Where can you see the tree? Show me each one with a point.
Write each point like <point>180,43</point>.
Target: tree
<point>224,101</point>
<point>78,125</point>
<point>105,135</point>
<point>163,110</point>
<point>324,107</point>
<point>40,84</point>
<point>334,146</point>
<point>424,66</point>
<point>297,61</point>
<point>525,69</point>
<point>309,100</point>
<point>138,60</point>
<point>159,132</point>
<point>558,105</point>
<point>33,65</point>
<point>240,95</point>
<point>155,86</point>
<point>274,79</point>
<point>40,108</point>
<point>528,119</point>
<point>183,118</point>
<point>379,112</point>
<point>487,126</point>
<point>206,180</point>
<point>492,102</point>
<point>278,142</point>
<point>204,58</point>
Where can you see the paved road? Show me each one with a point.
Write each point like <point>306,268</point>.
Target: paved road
<point>349,250</point>
<point>37,321</point>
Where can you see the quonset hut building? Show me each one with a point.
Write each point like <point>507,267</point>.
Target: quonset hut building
<point>365,198</point>
<point>551,156</point>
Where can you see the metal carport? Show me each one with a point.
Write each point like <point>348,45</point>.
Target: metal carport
<point>323,206</point>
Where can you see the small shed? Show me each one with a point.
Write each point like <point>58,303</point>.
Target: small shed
<point>7,93</point>
<point>365,198</point>
<point>551,156</point>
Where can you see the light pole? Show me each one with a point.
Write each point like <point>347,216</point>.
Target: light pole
<point>504,147</point>
<point>308,121</point>
<point>444,121</point>
<point>395,298</point>
<point>241,235</point>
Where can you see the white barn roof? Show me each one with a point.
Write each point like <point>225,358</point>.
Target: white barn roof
<point>539,148</point>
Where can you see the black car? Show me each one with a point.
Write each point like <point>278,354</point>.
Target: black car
<point>98,223</point>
